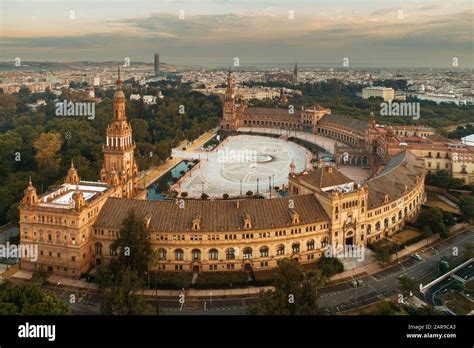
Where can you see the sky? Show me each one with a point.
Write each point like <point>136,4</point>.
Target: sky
<point>369,33</point>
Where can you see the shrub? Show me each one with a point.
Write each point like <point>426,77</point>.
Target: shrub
<point>330,266</point>
<point>222,280</point>
<point>171,280</point>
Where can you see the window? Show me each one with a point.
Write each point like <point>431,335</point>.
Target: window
<point>247,253</point>
<point>196,254</point>
<point>161,254</point>
<point>281,249</point>
<point>230,254</point>
<point>264,251</point>
<point>310,244</point>
<point>295,247</point>
<point>179,254</point>
<point>98,248</point>
<point>213,254</point>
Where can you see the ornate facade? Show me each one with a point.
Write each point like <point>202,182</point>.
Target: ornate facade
<point>76,224</point>
<point>60,222</point>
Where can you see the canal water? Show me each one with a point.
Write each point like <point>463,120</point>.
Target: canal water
<point>162,184</point>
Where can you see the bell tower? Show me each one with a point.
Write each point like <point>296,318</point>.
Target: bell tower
<point>229,117</point>
<point>119,168</point>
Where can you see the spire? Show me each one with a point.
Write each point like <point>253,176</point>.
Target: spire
<point>29,182</point>
<point>72,163</point>
<point>119,81</point>
<point>372,120</point>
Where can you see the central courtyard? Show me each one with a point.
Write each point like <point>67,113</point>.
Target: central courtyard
<point>240,164</point>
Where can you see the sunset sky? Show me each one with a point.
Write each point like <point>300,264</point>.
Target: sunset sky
<point>370,32</point>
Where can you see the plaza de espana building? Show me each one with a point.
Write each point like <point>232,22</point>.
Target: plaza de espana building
<point>75,225</point>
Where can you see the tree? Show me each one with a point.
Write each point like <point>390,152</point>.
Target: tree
<point>122,298</point>
<point>426,232</point>
<point>382,255</point>
<point>133,246</point>
<point>249,193</point>
<point>466,205</point>
<point>204,196</point>
<point>330,266</point>
<point>40,276</point>
<point>295,293</point>
<point>448,218</point>
<point>425,310</point>
<point>407,285</point>
<point>47,148</point>
<point>443,231</point>
<point>432,217</point>
<point>468,250</point>
<point>184,194</point>
<point>225,196</point>
<point>386,308</point>
<point>29,300</point>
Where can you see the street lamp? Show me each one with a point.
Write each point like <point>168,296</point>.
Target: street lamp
<point>270,185</point>
<point>257,186</point>
<point>202,185</point>
<point>437,253</point>
<point>241,187</point>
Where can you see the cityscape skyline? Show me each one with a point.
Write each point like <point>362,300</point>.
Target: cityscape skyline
<point>213,33</point>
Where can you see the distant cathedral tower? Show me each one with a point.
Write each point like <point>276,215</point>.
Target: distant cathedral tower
<point>157,64</point>
<point>119,168</point>
<point>295,73</point>
<point>229,117</point>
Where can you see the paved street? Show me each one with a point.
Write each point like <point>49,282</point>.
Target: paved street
<point>335,298</point>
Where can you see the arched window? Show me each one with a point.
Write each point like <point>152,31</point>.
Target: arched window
<point>264,251</point>
<point>394,219</point>
<point>161,254</point>
<point>400,215</point>
<point>385,223</point>
<point>324,242</point>
<point>112,251</point>
<point>377,226</point>
<point>196,254</point>
<point>213,254</point>
<point>247,253</point>
<point>310,244</point>
<point>179,254</point>
<point>295,247</point>
<point>281,249</point>
<point>98,248</point>
<point>369,229</point>
<point>230,254</point>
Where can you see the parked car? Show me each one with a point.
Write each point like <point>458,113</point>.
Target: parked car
<point>417,257</point>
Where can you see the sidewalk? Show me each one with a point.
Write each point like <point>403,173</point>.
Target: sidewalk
<point>374,267</point>
<point>371,268</point>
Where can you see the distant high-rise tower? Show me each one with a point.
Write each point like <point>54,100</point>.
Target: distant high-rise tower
<point>295,73</point>
<point>157,64</point>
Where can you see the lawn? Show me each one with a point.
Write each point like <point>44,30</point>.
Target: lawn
<point>458,303</point>
<point>405,235</point>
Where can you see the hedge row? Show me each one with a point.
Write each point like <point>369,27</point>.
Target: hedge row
<point>222,280</point>
<point>171,280</point>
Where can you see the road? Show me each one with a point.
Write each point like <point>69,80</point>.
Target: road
<point>435,293</point>
<point>334,298</point>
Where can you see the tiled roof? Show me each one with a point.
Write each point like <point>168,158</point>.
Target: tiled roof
<point>215,215</point>
<point>272,112</point>
<point>325,177</point>
<point>402,170</point>
<point>345,121</point>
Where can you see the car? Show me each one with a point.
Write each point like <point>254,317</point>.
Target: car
<point>417,257</point>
